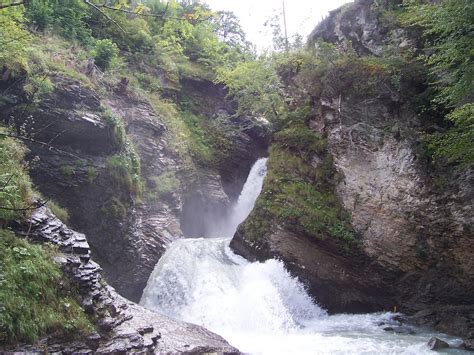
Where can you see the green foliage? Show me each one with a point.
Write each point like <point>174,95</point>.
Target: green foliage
<point>92,174</point>
<point>13,40</point>
<point>36,87</point>
<point>114,209</point>
<point>300,197</point>
<point>126,169</point>
<point>68,171</point>
<point>447,28</point>
<point>301,141</point>
<point>15,186</point>
<point>105,53</point>
<point>117,127</point>
<point>34,298</point>
<point>455,145</point>
<point>40,13</point>
<point>197,139</point>
<point>164,185</point>
<point>257,89</point>
<point>60,212</point>
<point>70,19</point>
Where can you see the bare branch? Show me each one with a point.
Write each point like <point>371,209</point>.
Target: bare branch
<point>131,12</point>
<point>43,144</point>
<point>16,3</point>
<point>104,14</point>
<point>105,6</point>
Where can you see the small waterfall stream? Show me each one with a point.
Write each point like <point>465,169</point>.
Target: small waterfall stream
<point>258,307</point>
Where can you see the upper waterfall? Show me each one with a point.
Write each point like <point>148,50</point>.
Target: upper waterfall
<point>244,205</point>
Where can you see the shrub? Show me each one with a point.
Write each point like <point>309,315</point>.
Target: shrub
<point>35,300</point>
<point>92,174</point>
<point>301,140</point>
<point>105,53</point>
<point>117,128</point>
<point>455,145</point>
<point>125,168</point>
<point>68,170</point>
<point>165,184</point>
<point>40,13</point>
<point>14,40</point>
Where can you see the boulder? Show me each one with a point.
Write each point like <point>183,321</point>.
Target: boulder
<point>436,344</point>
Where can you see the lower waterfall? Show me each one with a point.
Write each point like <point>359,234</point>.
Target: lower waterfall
<point>259,307</point>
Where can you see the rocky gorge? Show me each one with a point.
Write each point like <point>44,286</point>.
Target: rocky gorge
<point>350,204</point>
<point>413,250</point>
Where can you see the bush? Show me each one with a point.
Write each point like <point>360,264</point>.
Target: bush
<point>34,298</point>
<point>455,145</point>
<point>125,168</point>
<point>14,40</point>
<point>40,13</point>
<point>117,128</point>
<point>105,53</point>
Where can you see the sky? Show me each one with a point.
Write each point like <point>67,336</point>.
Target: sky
<point>301,16</point>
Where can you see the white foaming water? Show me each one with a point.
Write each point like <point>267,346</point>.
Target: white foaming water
<point>258,307</point>
<point>244,204</point>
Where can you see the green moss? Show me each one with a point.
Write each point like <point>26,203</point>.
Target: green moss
<point>92,174</point>
<point>125,168</point>
<point>34,298</point>
<point>114,209</point>
<point>164,184</point>
<point>116,126</point>
<point>298,139</point>
<point>67,170</point>
<point>297,194</point>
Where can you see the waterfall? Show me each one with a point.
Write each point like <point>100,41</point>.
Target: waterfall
<point>244,205</point>
<point>259,307</point>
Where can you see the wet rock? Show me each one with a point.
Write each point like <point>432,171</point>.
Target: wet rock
<point>400,330</point>
<point>123,326</point>
<point>146,329</point>
<point>436,343</point>
<point>469,344</point>
<point>415,247</point>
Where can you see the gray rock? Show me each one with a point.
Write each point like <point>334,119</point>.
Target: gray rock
<point>124,326</point>
<point>469,344</point>
<point>436,343</point>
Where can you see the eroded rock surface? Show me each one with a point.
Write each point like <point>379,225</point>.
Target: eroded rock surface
<point>123,326</point>
<point>414,223</point>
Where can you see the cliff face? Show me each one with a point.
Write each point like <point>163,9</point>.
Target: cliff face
<point>122,326</point>
<point>413,223</point>
<point>74,146</point>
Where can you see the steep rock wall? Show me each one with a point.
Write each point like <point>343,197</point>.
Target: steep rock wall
<point>413,223</point>
<point>122,326</point>
<point>71,143</point>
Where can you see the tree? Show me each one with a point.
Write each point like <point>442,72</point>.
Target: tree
<point>13,40</point>
<point>257,88</point>
<point>447,29</point>
<point>228,29</point>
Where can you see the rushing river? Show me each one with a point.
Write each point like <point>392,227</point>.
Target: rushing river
<point>258,307</point>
